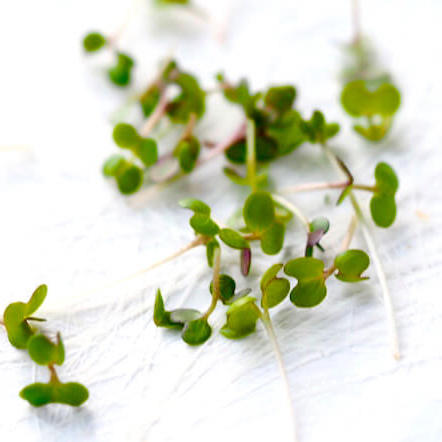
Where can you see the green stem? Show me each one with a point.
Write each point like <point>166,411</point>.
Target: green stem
<point>54,377</point>
<point>265,317</point>
<point>216,292</point>
<point>251,154</point>
<point>366,231</point>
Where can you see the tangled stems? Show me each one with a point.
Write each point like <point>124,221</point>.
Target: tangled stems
<point>388,303</point>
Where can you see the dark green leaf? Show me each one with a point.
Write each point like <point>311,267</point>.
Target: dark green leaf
<point>280,98</point>
<point>130,179</point>
<point>227,287</point>
<point>383,209</point>
<point>93,42</point>
<point>386,179</point>
<point>149,100</point>
<point>196,332</point>
<point>187,152</point>
<point>39,394</point>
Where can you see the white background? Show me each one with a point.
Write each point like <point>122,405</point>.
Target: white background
<point>64,225</point>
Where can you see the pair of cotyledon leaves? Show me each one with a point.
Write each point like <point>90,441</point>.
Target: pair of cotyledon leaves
<point>310,290</point>
<point>120,73</point>
<point>360,101</point>
<point>42,351</point>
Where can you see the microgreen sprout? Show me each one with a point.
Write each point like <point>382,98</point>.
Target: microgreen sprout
<point>43,352</point>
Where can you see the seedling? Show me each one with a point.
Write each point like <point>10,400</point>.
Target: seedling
<point>120,73</point>
<point>43,352</point>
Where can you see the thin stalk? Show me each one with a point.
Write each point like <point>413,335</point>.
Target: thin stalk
<point>189,127</point>
<point>156,116</point>
<point>199,240</point>
<point>294,209</point>
<point>251,154</point>
<point>350,233</point>
<point>265,317</point>
<point>216,284</point>
<point>327,185</point>
<point>54,377</point>
<point>366,231</point>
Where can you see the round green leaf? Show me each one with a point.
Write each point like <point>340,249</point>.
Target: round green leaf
<point>227,286</point>
<point>125,136</point>
<point>130,180</point>
<point>196,332</point>
<point>272,239</point>
<point>309,294</point>
<point>19,331</point>
<point>275,292</point>
<point>147,151</point>
<point>42,350</point>
<point>93,42</point>
<point>233,239</point>
<point>188,151</point>
<point>351,264</point>
<point>388,99</point>
<point>259,211</point>
<point>304,268</point>
<point>355,98</point>
<point>383,209</point>
<point>241,318</point>
<point>202,224</point>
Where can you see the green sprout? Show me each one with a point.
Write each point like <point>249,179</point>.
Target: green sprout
<point>43,352</point>
<point>93,42</point>
<point>376,107</point>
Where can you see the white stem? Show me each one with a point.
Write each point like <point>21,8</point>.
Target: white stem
<point>296,211</point>
<point>350,233</point>
<point>284,377</point>
<point>388,303</point>
<point>251,154</point>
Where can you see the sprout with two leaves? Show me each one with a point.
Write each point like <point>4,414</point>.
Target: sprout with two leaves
<point>43,352</point>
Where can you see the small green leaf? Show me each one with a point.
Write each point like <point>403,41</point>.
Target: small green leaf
<point>149,100</point>
<point>44,352</point>
<point>211,246</point>
<point>202,224</point>
<point>195,205</point>
<point>120,74</point>
<point>37,299</point>
<point>242,316</point>
<point>38,394</point>
<point>130,179</point>
<point>280,98</point>
<point>196,332</point>
<point>259,211</point>
<point>113,165</point>
<point>93,42</point>
<point>233,239</point>
<point>227,286</point>
<point>17,327</point>
<point>272,239</point>
<point>310,290</point>
<point>125,136</point>
<point>383,210</point>
<point>187,152</point>
<point>147,151</point>
<point>161,317</point>
<point>351,264</point>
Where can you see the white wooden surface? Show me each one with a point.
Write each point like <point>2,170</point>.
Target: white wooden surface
<point>64,225</point>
